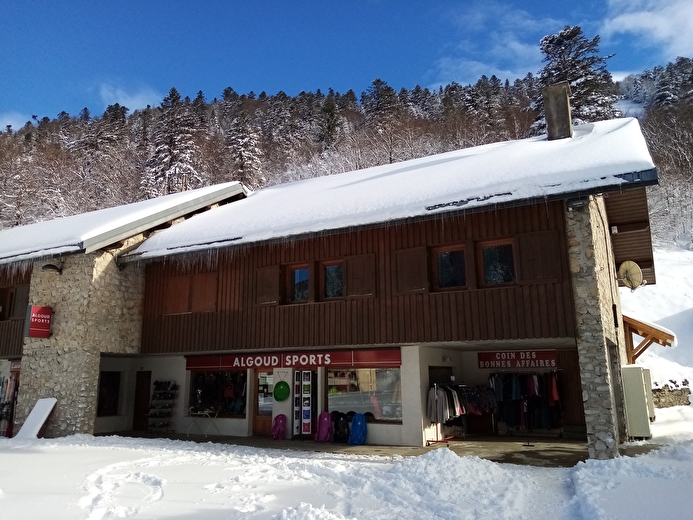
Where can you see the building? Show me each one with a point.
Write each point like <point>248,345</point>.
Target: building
<point>367,290</point>
<point>62,281</point>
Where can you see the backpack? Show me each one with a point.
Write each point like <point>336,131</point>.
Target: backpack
<point>341,428</point>
<point>324,433</point>
<point>358,430</point>
<point>279,427</point>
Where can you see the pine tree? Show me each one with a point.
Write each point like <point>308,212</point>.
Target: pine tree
<point>243,141</point>
<point>171,168</point>
<point>571,56</point>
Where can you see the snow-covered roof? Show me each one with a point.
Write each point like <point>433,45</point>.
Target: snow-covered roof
<point>91,231</point>
<point>600,156</point>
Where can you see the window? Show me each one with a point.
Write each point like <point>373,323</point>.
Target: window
<point>298,289</point>
<point>332,280</point>
<point>326,280</point>
<point>109,394</point>
<point>449,268</point>
<point>374,391</point>
<point>498,263</point>
<point>221,392</point>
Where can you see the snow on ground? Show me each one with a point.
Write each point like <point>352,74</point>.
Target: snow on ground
<point>85,477</point>
<point>668,303</point>
<point>94,478</point>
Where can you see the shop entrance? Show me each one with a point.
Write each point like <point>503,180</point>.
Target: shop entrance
<point>264,400</point>
<point>143,385</point>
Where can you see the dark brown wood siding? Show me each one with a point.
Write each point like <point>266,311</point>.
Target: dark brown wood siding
<point>400,309</point>
<point>12,329</point>
<point>629,224</point>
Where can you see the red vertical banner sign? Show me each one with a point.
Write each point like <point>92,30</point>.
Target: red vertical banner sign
<point>40,322</point>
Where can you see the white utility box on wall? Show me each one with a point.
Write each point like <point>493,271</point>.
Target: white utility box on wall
<point>637,392</point>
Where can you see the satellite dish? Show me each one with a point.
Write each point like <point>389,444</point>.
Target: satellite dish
<point>631,275</point>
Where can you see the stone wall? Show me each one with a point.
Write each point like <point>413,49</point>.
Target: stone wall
<point>665,397</point>
<point>97,308</point>
<point>599,329</point>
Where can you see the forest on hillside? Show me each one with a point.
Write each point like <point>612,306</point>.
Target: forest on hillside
<point>77,163</point>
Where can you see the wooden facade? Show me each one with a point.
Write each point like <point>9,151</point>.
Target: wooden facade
<point>241,299</point>
<point>629,225</point>
<point>14,297</point>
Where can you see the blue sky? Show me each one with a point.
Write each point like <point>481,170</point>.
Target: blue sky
<point>70,54</point>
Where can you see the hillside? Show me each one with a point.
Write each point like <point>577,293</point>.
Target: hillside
<point>668,303</point>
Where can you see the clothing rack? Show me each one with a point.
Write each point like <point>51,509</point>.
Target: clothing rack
<point>445,439</point>
<point>528,400</point>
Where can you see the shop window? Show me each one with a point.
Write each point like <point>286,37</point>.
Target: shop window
<point>298,284</point>
<point>498,263</point>
<point>332,280</point>
<point>449,268</point>
<point>265,397</point>
<point>218,392</point>
<point>109,394</point>
<point>374,391</point>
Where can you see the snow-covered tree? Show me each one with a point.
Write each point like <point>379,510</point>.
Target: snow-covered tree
<point>571,56</point>
<point>243,142</point>
<point>171,168</point>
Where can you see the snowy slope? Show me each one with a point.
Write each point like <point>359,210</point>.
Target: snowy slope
<point>669,303</point>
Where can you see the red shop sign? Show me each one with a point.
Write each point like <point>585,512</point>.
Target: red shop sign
<point>518,359</point>
<point>298,360</point>
<point>40,322</point>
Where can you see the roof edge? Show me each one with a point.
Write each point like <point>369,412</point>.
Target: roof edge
<point>631,180</point>
<point>101,240</point>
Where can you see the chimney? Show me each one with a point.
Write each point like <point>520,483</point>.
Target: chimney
<point>557,109</point>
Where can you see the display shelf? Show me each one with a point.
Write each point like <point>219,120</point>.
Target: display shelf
<point>162,406</point>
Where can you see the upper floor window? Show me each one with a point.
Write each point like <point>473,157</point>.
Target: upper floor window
<point>449,268</point>
<point>332,278</point>
<point>498,262</point>
<point>299,284</point>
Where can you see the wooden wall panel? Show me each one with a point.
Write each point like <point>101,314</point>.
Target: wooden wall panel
<point>533,309</point>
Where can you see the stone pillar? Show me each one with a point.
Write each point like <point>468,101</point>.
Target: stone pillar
<point>599,326</point>
<point>97,308</point>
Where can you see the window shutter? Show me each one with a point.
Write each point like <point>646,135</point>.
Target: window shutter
<point>177,295</point>
<point>21,300</point>
<point>204,292</point>
<point>540,259</point>
<point>267,285</point>
<point>411,270</point>
<point>360,275</point>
